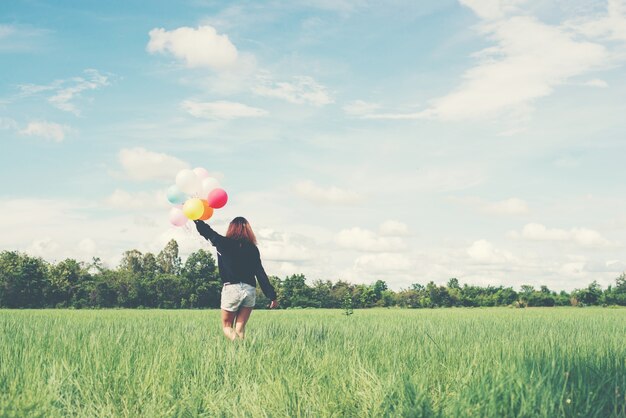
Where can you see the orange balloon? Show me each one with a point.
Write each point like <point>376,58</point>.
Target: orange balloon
<point>208,211</point>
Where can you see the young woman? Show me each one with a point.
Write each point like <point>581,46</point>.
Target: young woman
<point>239,262</point>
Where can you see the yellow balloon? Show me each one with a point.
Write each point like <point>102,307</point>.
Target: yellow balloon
<point>193,209</point>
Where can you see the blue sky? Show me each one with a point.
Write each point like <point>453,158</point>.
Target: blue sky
<point>403,141</point>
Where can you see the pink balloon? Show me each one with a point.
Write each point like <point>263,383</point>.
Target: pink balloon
<point>217,198</point>
<point>177,217</point>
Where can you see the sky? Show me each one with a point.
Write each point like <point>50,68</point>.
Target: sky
<point>398,140</point>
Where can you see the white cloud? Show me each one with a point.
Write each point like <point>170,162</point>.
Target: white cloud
<point>48,130</point>
<point>6,30</point>
<point>140,164</point>
<point>364,240</point>
<point>611,26</point>
<point>343,6</point>
<point>567,162</point>
<point>492,9</point>
<point>393,228</point>
<point>512,206</point>
<point>613,266</point>
<point>22,37</point>
<point>529,59</point>
<point>447,179</point>
<point>397,270</point>
<point>7,124</point>
<point>360,108</point>
<point>201,47</point>
<point>596,82</point>
<point>63,97</point>
<point>581,236</point>
<point>143,201</point>
<point>88,248</point>
<point>366,110</point>
<point>328,195</point>
<point>221,110</point>
<point>539,232</point>
<point>65,92</point>
<point>303,89</point>
<point>483,251</point>
<point>383,263</point>
<point>43,247</point>
<point>71,227</point>
<point>284,247</point>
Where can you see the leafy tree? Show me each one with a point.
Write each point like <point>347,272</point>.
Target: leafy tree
<point>616,295</point>
<point>505,296</point>
<point>437,296</point>
<point>453,283</point>
<point>64,277</point>
<point>103,290</point>
<point>200,268</point>
<point>23,280</point>
<point>590,295</point>
<point>379,287</point>
<point>562,299</point>
<point>410,298</point>
<point>149,265</point>
<point>132,262</point>
<point>321,292</point>
<point>387,298</point>
<point>168,259</point>
<point>295,292</point>
<point>347,305</point>
<point>168,290</point>
<point>95,266</point>
<point>338,293</point>
<point>364,296</point>
<point>543,297</point>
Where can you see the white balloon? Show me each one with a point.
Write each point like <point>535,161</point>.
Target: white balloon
<point>187,181</point>
<point>202,173</point>
<point>207,185</point>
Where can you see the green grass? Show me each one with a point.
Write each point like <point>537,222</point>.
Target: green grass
<point>388,362</point>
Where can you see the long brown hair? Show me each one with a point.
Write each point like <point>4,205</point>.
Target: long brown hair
<point>240,229</point>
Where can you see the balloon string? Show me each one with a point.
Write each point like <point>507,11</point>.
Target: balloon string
<point>195,237</point>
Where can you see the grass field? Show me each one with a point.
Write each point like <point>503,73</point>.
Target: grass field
<point>388,362</point>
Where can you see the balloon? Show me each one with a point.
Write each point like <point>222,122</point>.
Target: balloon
<point>193,209</point>
<point>207,186</point>
<point>175,196</point>
<point>208,211</point>
<point>187,181</point>
<point>201,173</point>
<point>177,217</point>
<point>217,198</point>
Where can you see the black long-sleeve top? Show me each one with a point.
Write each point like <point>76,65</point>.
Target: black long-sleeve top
<point>239,261</point>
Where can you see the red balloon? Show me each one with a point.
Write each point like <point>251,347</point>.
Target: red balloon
<point>217,198</point>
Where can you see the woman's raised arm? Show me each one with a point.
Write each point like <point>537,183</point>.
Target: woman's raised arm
<point>208,233</point>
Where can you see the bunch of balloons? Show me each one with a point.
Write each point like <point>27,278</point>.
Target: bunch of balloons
<point>194,196</point>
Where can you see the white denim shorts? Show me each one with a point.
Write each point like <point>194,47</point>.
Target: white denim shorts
<point>238,295</point>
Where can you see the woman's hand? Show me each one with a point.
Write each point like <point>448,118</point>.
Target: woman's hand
<point>274,304</point>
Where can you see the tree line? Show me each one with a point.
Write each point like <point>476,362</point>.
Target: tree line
<point>145,280</point>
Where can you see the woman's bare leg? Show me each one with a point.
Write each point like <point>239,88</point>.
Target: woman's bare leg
<point>242,319</point>
<point>227,324</point>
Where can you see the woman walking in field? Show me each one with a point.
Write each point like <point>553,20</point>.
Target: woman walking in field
<point>239,262</point>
